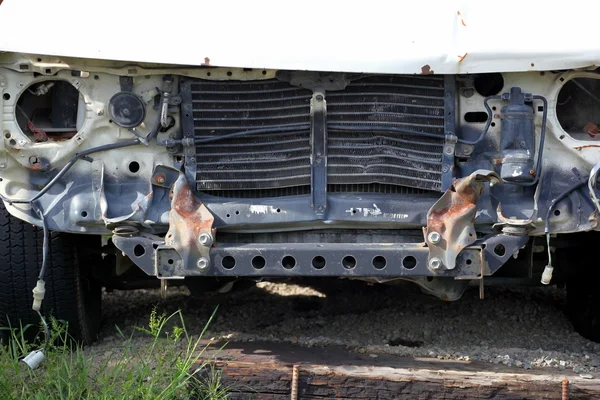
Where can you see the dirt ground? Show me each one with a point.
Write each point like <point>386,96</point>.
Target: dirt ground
<point>517,327</point>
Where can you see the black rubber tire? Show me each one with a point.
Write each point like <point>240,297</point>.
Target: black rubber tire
<point>583,306</point>
<point>71,294</point>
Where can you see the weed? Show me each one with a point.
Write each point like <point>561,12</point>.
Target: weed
<point>157,365</point>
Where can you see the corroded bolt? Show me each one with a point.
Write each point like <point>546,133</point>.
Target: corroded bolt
<point>435,263</point>
<point>202,263</point>
<point>434,237</point>
<point>205,239</point>
<point>532,172</point>
<point>160,178</point>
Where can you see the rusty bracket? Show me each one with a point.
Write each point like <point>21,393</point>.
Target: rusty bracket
<point>450,221</point>
<point>190,232</point>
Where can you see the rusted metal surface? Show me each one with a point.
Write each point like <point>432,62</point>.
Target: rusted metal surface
<point>188,219</point>
<point>426,70</point>
<point>565,389</point>
<point>295,374</point>
<point>591,129</point>
<point>453,216</point>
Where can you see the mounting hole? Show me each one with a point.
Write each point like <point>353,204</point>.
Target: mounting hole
<point>469,261</point>
<point>170,261</point>
<point>7,135</point>
<point>288,262</point>
<point>237,213</point>
<point>6,96</point>
<point>319,262</point>
<point>500,250</point>
<point>409,262</point>
<point>493,124</point>
<point>208,74</point>
<point>228,262</point>
<point>379,262</point>
<point>353,211</point>
<point>476,116</point>
<point>557,212</point>
<point>228,215</point>
<point>229,73</point>
<point>96,77</point>
<point>139,251</point>
<point>134,167</point>
<point>39,60</point>
<point>84,214</point>
<point>264,72</point>
<point>259,262</point>
<point>12,142</point>
<point>429,278</point>
<point>279,210</point>
<point>488,84</point>
<point>349,262</point>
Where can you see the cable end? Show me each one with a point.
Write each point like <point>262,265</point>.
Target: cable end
<point>38,295</point>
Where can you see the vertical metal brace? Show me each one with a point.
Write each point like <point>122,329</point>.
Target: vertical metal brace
<point>318,154</point>
<point>187,123</point>
<point>449,131</point>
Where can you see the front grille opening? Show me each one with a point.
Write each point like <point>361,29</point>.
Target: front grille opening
<point>277,164</point>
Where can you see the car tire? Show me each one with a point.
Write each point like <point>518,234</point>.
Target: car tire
<point>71,293</point>
<point>583,307</point>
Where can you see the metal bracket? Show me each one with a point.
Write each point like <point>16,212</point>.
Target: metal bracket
<point>449,131</point>
<point>450,221</point>
<point>126,83</point>
<point>190,223</point>
<point>318,155</point>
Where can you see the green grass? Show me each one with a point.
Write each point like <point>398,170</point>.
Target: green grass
<point>157,365</point>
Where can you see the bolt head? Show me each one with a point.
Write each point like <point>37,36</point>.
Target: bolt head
<point>202,263</point>
<point>435,263</point>
<point>434,237</point>
<point>205,239</point>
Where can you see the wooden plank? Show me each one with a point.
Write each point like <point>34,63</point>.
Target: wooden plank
<point>264,371</point>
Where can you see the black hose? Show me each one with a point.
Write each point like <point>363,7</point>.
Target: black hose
<point>374,128</point>
<point>487,124</point>
<point>68,165</point>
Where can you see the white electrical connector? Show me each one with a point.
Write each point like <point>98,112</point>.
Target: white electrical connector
<point>34,359</point>
<point>38,295</point>
<point>547,275</point>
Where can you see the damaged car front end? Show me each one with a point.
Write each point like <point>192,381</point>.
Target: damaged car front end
<point>206,175</point>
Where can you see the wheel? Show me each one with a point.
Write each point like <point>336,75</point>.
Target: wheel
<point>71,293</point>
<point>583,307</point>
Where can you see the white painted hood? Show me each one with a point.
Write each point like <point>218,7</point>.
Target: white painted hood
<point>450,36</point>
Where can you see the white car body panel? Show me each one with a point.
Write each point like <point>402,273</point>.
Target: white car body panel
<point>446,37</point>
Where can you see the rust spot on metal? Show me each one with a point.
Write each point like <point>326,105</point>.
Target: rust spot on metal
<point>587,146</point>
<point>591,129</point>
<point>462,21</point>
<point>461,58</point>
<point>206,62</point>
<point>532,172</point>
<point>453,216</point>
<point>34,164</point>
<point>160,178</point>
<point>188,218</point>
<point>426,70</point>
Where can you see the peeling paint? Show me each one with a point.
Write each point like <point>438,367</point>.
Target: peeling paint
<point>260,209</point>
<point>462,21</point>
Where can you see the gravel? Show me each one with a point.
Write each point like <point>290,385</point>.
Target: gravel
<point>517,327</point>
